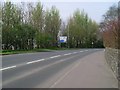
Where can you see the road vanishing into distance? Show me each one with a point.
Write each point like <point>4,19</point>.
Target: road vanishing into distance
<point>40,69</point>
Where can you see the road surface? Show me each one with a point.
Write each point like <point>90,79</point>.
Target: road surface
<point>39,70</point>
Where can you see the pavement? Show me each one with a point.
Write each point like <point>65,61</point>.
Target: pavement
<point>82,68</point>
<point>91,71</point>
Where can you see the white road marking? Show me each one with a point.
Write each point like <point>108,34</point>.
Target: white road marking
<point>7,68</point>
<point>35,61</point>
<point>33,71</point>
<point>96,49</point>
<point>81,51</point>
<point>55,56</point>
<point>74,52</point>
<point>86,50</point>
<point>68,54</point>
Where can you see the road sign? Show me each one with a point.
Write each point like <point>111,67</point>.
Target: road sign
<point>63,39</point>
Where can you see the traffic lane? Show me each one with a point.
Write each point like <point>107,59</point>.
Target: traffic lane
<point>28,67</point>
<point>11,60</point>
<point>34,61</point>
<point>40,64</point>
<point>36,72</point>
<point>21,58</point>
<point>30,78</point>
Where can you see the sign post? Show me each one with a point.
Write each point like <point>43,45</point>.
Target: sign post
<point>62,39</point>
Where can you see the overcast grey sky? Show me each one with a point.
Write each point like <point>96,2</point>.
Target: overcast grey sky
<point>94,9</point>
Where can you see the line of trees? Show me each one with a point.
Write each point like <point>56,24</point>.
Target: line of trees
<point>110,28</point>
<point>82,32</point>
<point>27,26</point>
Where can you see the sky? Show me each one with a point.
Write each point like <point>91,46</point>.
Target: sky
<point>94,8</point>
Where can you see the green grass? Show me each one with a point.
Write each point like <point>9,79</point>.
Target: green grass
<point>9,52</point>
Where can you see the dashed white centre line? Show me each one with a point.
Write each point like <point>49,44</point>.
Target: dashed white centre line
<point>74,52</point>
<point>81,51</point>
<point>7,68</point>
<point>96,49</point>
<point>68,54</point>
<point>55,56</point>
<point>86,50</point>
<point>35,61</point>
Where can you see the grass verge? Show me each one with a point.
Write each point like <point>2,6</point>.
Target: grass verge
<point>9,52</point>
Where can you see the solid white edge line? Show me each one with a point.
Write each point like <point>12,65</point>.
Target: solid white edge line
<point>35,61</point>
<point>7,68</point>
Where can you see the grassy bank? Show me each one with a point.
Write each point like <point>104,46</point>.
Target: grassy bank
<point>8,52</point>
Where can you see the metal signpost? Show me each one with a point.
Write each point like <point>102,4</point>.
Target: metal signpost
<point>62,39</point>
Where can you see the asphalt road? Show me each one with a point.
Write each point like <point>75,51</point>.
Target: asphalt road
<point>39,70</point>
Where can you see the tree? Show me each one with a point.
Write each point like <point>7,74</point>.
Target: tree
<point>11,19</point>
<point>17,29</point>
<point>109,26</point>
<point>24,28</point>
<point>81,30</point>
<point>38,23</point>
<point>52,25</point>
<point>1,26</point>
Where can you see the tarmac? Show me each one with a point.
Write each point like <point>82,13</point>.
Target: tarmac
<point>91,71</point>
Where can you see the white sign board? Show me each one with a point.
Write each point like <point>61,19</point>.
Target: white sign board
<point>63,39</point>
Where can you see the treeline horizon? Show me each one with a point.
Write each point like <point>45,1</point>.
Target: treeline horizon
<point>110,27</point>
<point>25,27</point>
